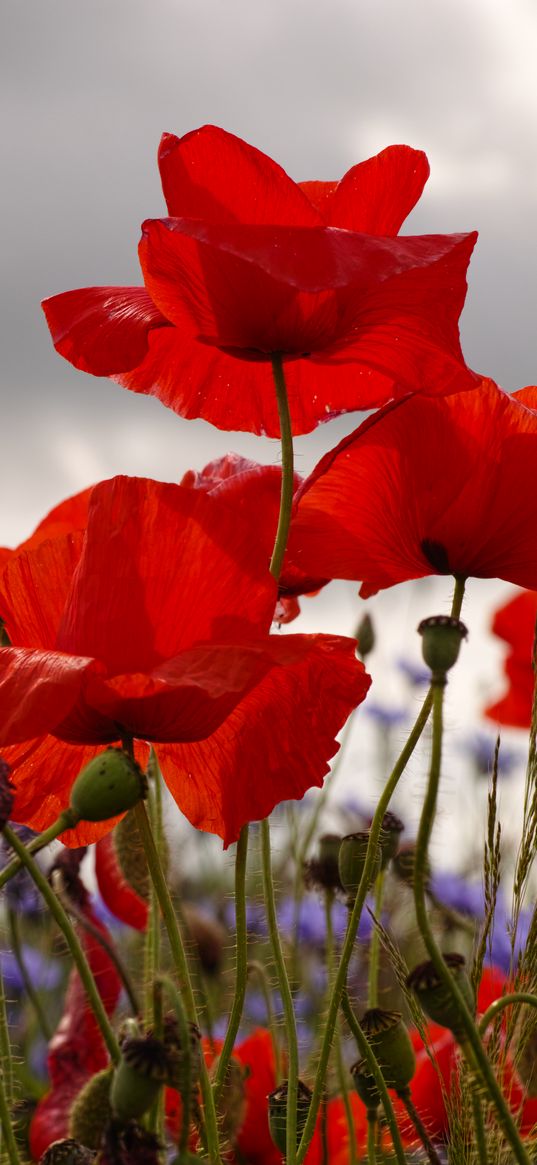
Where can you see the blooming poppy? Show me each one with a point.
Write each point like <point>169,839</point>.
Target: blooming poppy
<point>249,264</point>
<point>514,622</point>
<point>443,486</point>
<point>153,623</point>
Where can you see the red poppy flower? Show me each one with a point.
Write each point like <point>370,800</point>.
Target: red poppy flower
<point>250,264</point>
<point>514,622</point>
<point>77,1050</point>
<point>153,623</point>
<point>442,486</point>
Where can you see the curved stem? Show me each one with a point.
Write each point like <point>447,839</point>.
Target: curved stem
<point>371,1137</point>
<point>471,1045</point>
<point>354,919</point>
<point>374,946</point>
<point>186,1059</point>
<point>286,497</point>
<point>506,1001</point>
<point>67,820</point>
<point>241,974</point>
<point>79,958</point>
<point>419,1126</point>
<point>180,964</point>
<point>287,998</point>
<point>367,1054</point>
<point>340,1070</point>
<point>33,996</point>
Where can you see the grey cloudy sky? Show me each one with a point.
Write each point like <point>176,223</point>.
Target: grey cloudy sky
<point>88,87</point>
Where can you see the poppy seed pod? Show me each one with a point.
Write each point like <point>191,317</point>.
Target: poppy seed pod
<point>441,638</point>
<point>322,871</point>
<point>352,856</point>
<point>140,1074</point>
<point>390,832</point>
<point>278,1113</point>
<point>390,1042</point>
<point>110,784</point>
<point>67,1152</point>
<point>91,1110</point>
<point>365,1085</point>
<point>436,999</point>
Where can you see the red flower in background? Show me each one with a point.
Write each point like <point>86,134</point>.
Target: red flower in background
<point>77,1050</point>
<point>153,623</point>
<point>249,264</point>
<point>442,486</point>
<point>514,622</point>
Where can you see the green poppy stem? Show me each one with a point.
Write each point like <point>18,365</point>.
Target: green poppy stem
<point>340,1068</point>
<point>506,1001</point>
<point>286,496</point>
<point>75,947</point>
<point>67,820</point>
<point>374,946</point>
<point>255,968</point>
<point>241,973</point>
<point>8,1143</point>
<point>419,1126</point>
<point>353,922</point>
<point>471,1045</point>
<point>367,1054</point>
<point>372,1122</point>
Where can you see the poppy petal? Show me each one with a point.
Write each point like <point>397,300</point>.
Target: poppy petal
<point>34,586</point>
<point>375,196</point>
<point>102,330</point>
<point>290,718</point>
<point>38,689</point>
<point>257,189</point>
<point>177,565</point>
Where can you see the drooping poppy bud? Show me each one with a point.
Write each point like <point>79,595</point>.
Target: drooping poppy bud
<point>67,1152</point>
<point>441,638</point>
<point>278,1113</point>
<point>436,999</point>
<point>322,871</point>
<point>131,856</point>
<point>365,634</point>
<point>391,1044</point>
<point>171,1041</point>
<point>365,1085</point>
<point>352,856</point>
<point>91,1110</point>
<point>110,784</point>
<point>232,1100</point>
<point>391,830</point>
<point>139,1076</point>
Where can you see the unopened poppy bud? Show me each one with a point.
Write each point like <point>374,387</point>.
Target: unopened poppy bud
<point>365,634</point>
<point>110,784</point>
<point>441,638</point>
<point>67,1152</point>
<point>365,1085</point>
<point>322,871</point>
<point>232,1099</point>
<point>277,1103</point>
<point>139,1076</point>
<point>91,1110</point>
<point>171,1041</point>
<point>131,856</point>
<point>7,793</point>
<point>390,832</point>
<point>436,999</point>
<point>391,1044</point>
<point>352,856</point>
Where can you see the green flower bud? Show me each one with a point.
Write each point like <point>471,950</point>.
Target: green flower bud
<point>278,1114</point>
<point>67,1152</point>
<point>139,1076</point>
<point>91,1110</point>
<point>441,640</point>
<point>131,856</point>
<point>435,998</point>
<point>110,784</point>
<point>365,1085</point>
<point>352,855</point>
<point>391,1044</point>
<point>365,634</point>
<point>391,830</point>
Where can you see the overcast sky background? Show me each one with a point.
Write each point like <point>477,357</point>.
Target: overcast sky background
<point>89,86</point>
